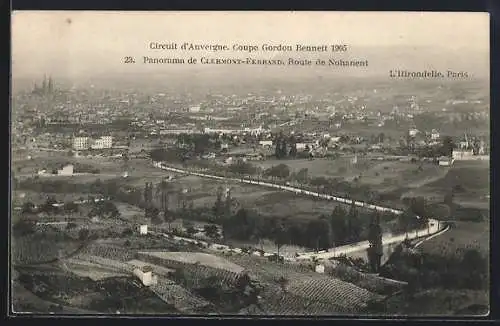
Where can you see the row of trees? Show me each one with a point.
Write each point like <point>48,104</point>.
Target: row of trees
<point>339,228</point>
<point>104,208</point>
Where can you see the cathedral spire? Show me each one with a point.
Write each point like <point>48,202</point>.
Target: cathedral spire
<point>44,84</point>
<point>51,85</point>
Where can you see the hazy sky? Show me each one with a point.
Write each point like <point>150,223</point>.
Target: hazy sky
<point>81,43</point>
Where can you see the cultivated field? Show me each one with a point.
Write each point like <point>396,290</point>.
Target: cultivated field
<point>303,284</point>
<point>196,258</point>
<point>38,248</point>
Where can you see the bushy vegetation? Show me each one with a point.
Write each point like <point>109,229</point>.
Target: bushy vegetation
<point>422,270</point>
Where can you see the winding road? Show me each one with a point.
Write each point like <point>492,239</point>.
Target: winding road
<point>434,227</point>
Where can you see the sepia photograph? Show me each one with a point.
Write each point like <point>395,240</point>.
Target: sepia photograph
<point>257,164</point>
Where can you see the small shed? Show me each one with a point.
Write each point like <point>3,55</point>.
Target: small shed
<point>145,274</point>
<point>143,229</point>
<point>445,161</point>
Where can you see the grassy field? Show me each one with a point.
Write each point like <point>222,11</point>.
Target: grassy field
<point>470,179</point>
<point>464,235</point>
<point>386,176</point>
<point>268,202</point>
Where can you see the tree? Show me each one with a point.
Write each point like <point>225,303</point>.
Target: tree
<point>48,206</point>
<point>83,234</point>
<point>201,143</point>
<point>293,147</point>
<point>283,283</point>
<point>242,168</point>
<point>174,155</point>
<point>277,150</point>
<point>338,224</point>
<point>280,235</point>
<point>448,198</point>
<point>28,208</point>
<point>418,206</point>
<point>23,227</point>
<point>218,208</point>
<point>241,226</point>
<point>228,205</point>
<point>148,193</point>
<point>106,209</point>
<point>447,146</point>
<point>189,226</point>
<point>319,231</point>
<point>283,151</point>
<point>302,175</point>
<point>353,224</point>
<point>381,137</point>
<point>163,193</point>
<point>375,251</point>
<point>281,171</point>
<point>242,282</point>
<point>70,207</point>
<point>153,213</point>
<point>211,231</point>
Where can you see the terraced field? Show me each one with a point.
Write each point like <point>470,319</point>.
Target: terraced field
<point>330,295</point>
<point>108,251</point>
<point>106,263</point>
<point>182,299</point>
<point>226,272</point>
<point>35,249</point>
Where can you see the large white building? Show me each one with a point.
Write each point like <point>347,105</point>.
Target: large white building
<point>102,142</point>
<point>81,143</point>
<point>84,143</point>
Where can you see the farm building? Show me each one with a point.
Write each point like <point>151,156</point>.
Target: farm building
<point>145,274</point>
<point>198,263</point>
<point>320,268</point>
<point>167,272</point>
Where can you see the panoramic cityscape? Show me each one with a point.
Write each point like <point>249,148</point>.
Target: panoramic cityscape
<point>257,194</point>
